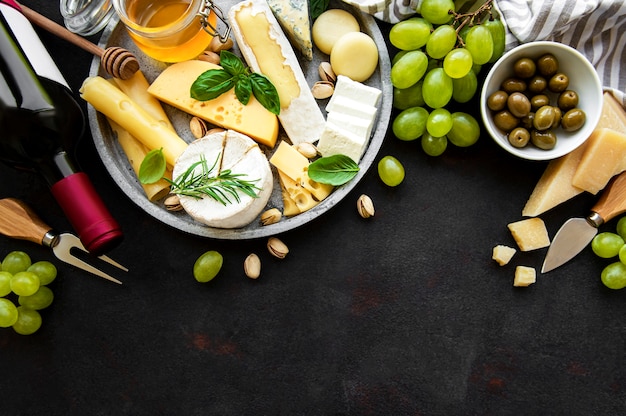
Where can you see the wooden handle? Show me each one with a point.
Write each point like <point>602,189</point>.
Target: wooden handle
<point>17,220</point>
<point>613,200</point>
<point>60,31</point>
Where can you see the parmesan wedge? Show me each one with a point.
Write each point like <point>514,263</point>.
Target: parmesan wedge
<point>242,155</point>
<point>530,234</point>
<point>267,50</point>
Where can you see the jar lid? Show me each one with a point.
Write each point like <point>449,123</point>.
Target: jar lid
<point>86,17</point>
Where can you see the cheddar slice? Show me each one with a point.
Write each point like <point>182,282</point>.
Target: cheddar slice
<point>267,50</point>
<point>293,16</point>
<point>530,234</point>
<point>604,157</point>
<point>172,86</point>
<point>556,184</point>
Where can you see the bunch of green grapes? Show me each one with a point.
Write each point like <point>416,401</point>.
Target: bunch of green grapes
<point>441,54</point>
<point>27,283</point>
<point>611,245</point>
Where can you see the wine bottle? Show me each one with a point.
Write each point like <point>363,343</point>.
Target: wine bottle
<point>39,123</point>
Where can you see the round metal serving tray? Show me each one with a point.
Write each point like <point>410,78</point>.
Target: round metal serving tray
<point>118,167</point>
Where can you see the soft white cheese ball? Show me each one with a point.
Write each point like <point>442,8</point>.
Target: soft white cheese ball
<point>330,26</point>
<point>354,55</point>
<point>241,155</point>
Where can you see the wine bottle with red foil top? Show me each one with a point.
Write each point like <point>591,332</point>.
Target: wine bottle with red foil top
<point>40,121</point>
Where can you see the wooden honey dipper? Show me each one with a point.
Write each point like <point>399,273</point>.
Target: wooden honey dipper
<point>116,61</point>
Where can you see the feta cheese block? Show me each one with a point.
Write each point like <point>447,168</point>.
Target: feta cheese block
<point>338,141</point>
<point>267,50</point>
<point>346,87</point>
<point>345,104</point>
<point>242,155</point>
<point>293,16</point>
<point>172,87</point>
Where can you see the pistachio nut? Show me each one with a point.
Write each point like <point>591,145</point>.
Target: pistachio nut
<point>365,206</point>
<point>172,203</point>
<point>307,149</point>
<point>198,127</point>
<point>322,89</point>
<point>252,266</point>
<point>271,216</point>
<point>326,72</point>
<point>209,56</point>
<point>217,45</point>
<point>277,248</point>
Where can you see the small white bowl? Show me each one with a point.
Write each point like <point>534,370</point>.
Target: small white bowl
<point>583,79</point>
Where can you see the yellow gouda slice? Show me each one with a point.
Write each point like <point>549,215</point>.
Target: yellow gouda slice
<point>172,86</point>
<point>604,157</point>
<point>288,160</point>
<point>300,196</point>
<point>555,185</point>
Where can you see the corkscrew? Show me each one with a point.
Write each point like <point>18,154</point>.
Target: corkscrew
<point>117,62</point>
<point>18,220</point>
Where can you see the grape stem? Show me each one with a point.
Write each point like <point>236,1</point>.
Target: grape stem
<point>462,20</point>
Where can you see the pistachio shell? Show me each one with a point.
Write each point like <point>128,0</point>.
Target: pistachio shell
<point>326,72</point>
<point>210,56</point>
<point>172,203</point>
<point>365,206</point>
<point>217,45</point>
<point>307,149</point>
<point>277,248</point>
<point>252,266</point>
<point>322,89</point>
<point>271,216</point>
<point>198,127</point>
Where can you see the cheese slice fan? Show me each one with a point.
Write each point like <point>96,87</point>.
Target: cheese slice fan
<point>577,233</point>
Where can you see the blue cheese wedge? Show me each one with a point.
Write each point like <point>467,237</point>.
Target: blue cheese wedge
<point>240,154</point>
<point>293,16</point>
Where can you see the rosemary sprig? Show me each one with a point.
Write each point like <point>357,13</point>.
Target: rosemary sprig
<point>220,187</point>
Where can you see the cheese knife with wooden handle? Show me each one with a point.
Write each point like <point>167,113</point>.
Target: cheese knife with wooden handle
<point>577,233</point>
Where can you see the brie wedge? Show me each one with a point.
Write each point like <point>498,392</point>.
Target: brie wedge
<point>228,150</point>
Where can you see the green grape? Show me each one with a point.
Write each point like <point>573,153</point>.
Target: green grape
<point>24,283</point>
<point>409,69</point>
<point>441,41</point>
<point>498,34</point>
<point>8,313</point>
<point>410,123</point>
<point>207,266</point>
<point>434,146</point>
<point>439,122</point>
<point>5,283</point>
<point>390,171</point>
<point>458,63</point>
<point>614,275</point>
<point>437,88</point>
<point>621,227</point>
<point>410,34</point>
<point>16,261</point>
<point>45,270</point>
<point>41,299</point>
<point>404,98</point>
<point>437,11</point>
<point>465,130</point>
<point>397,56</point>
<point>606,244</point>
<point>622,254</point>
<point>28,321</point>
<point>464,88</point>
<point>480,44</point>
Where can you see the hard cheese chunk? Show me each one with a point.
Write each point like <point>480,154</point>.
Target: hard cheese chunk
<point>530,234</point>
<point>556,184</point>
<point>293,16</point>
<point>604,157</point>
<point>239,153</point>
<point>503,254</point>
<point>172,86</point>
<point>524,276</point>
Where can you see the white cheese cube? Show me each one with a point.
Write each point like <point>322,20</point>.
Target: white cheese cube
<point>346,87</point>
<point>334,141</point>
<point>360,126</point>
<point>352,107</point>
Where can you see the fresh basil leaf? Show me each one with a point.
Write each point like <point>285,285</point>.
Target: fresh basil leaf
<point>231,63</point>
<point>333,170</point>
<point>211,84</point>
<point>317,7</point>
<point>243,89</point>
<point>265,92</point>
<point>152,167</point>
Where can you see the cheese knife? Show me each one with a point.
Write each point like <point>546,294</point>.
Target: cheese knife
<point>577,233</point>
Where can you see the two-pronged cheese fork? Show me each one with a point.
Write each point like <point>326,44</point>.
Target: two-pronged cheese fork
<point>17,220</point>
